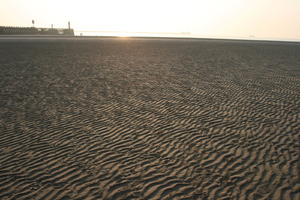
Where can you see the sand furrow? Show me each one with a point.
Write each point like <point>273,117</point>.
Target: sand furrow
<point>149,119</point>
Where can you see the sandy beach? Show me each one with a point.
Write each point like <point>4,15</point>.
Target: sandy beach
<point>134,118</point>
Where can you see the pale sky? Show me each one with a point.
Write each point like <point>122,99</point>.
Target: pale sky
<point>216,18</point>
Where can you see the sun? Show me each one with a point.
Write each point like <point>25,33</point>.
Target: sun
<point>123,35</point>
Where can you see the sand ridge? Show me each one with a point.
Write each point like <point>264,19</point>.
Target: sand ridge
<point>149,119</point>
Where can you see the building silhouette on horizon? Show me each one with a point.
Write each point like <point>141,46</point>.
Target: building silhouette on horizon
<point>14,30</point>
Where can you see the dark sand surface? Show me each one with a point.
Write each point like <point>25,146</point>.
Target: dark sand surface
<point>149,119</point>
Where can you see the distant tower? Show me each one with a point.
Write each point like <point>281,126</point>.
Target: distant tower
<point>51,26</point>
<point>69,25</point>
<point>32,23</point>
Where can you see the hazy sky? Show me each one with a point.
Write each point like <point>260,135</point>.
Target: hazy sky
<point>224,18</point>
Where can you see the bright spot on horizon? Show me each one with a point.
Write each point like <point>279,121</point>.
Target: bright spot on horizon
<point>123,35</point>
<point>203,18</point>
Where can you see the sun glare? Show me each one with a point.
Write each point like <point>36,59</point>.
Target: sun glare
<point>123,35</point>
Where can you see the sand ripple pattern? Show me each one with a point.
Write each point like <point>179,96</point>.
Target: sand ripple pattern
<point>149,119</point>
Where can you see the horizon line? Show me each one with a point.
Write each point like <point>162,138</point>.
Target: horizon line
<point>145,37</point>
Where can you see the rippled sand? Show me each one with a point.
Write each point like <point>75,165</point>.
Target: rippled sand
<point>149,119</point>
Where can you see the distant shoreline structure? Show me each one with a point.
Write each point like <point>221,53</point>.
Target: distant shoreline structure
<point>14,30</point>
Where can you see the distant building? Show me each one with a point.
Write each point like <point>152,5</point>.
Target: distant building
<point>9,30</point>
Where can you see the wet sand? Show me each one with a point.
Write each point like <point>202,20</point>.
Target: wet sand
<point>149,119</point>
